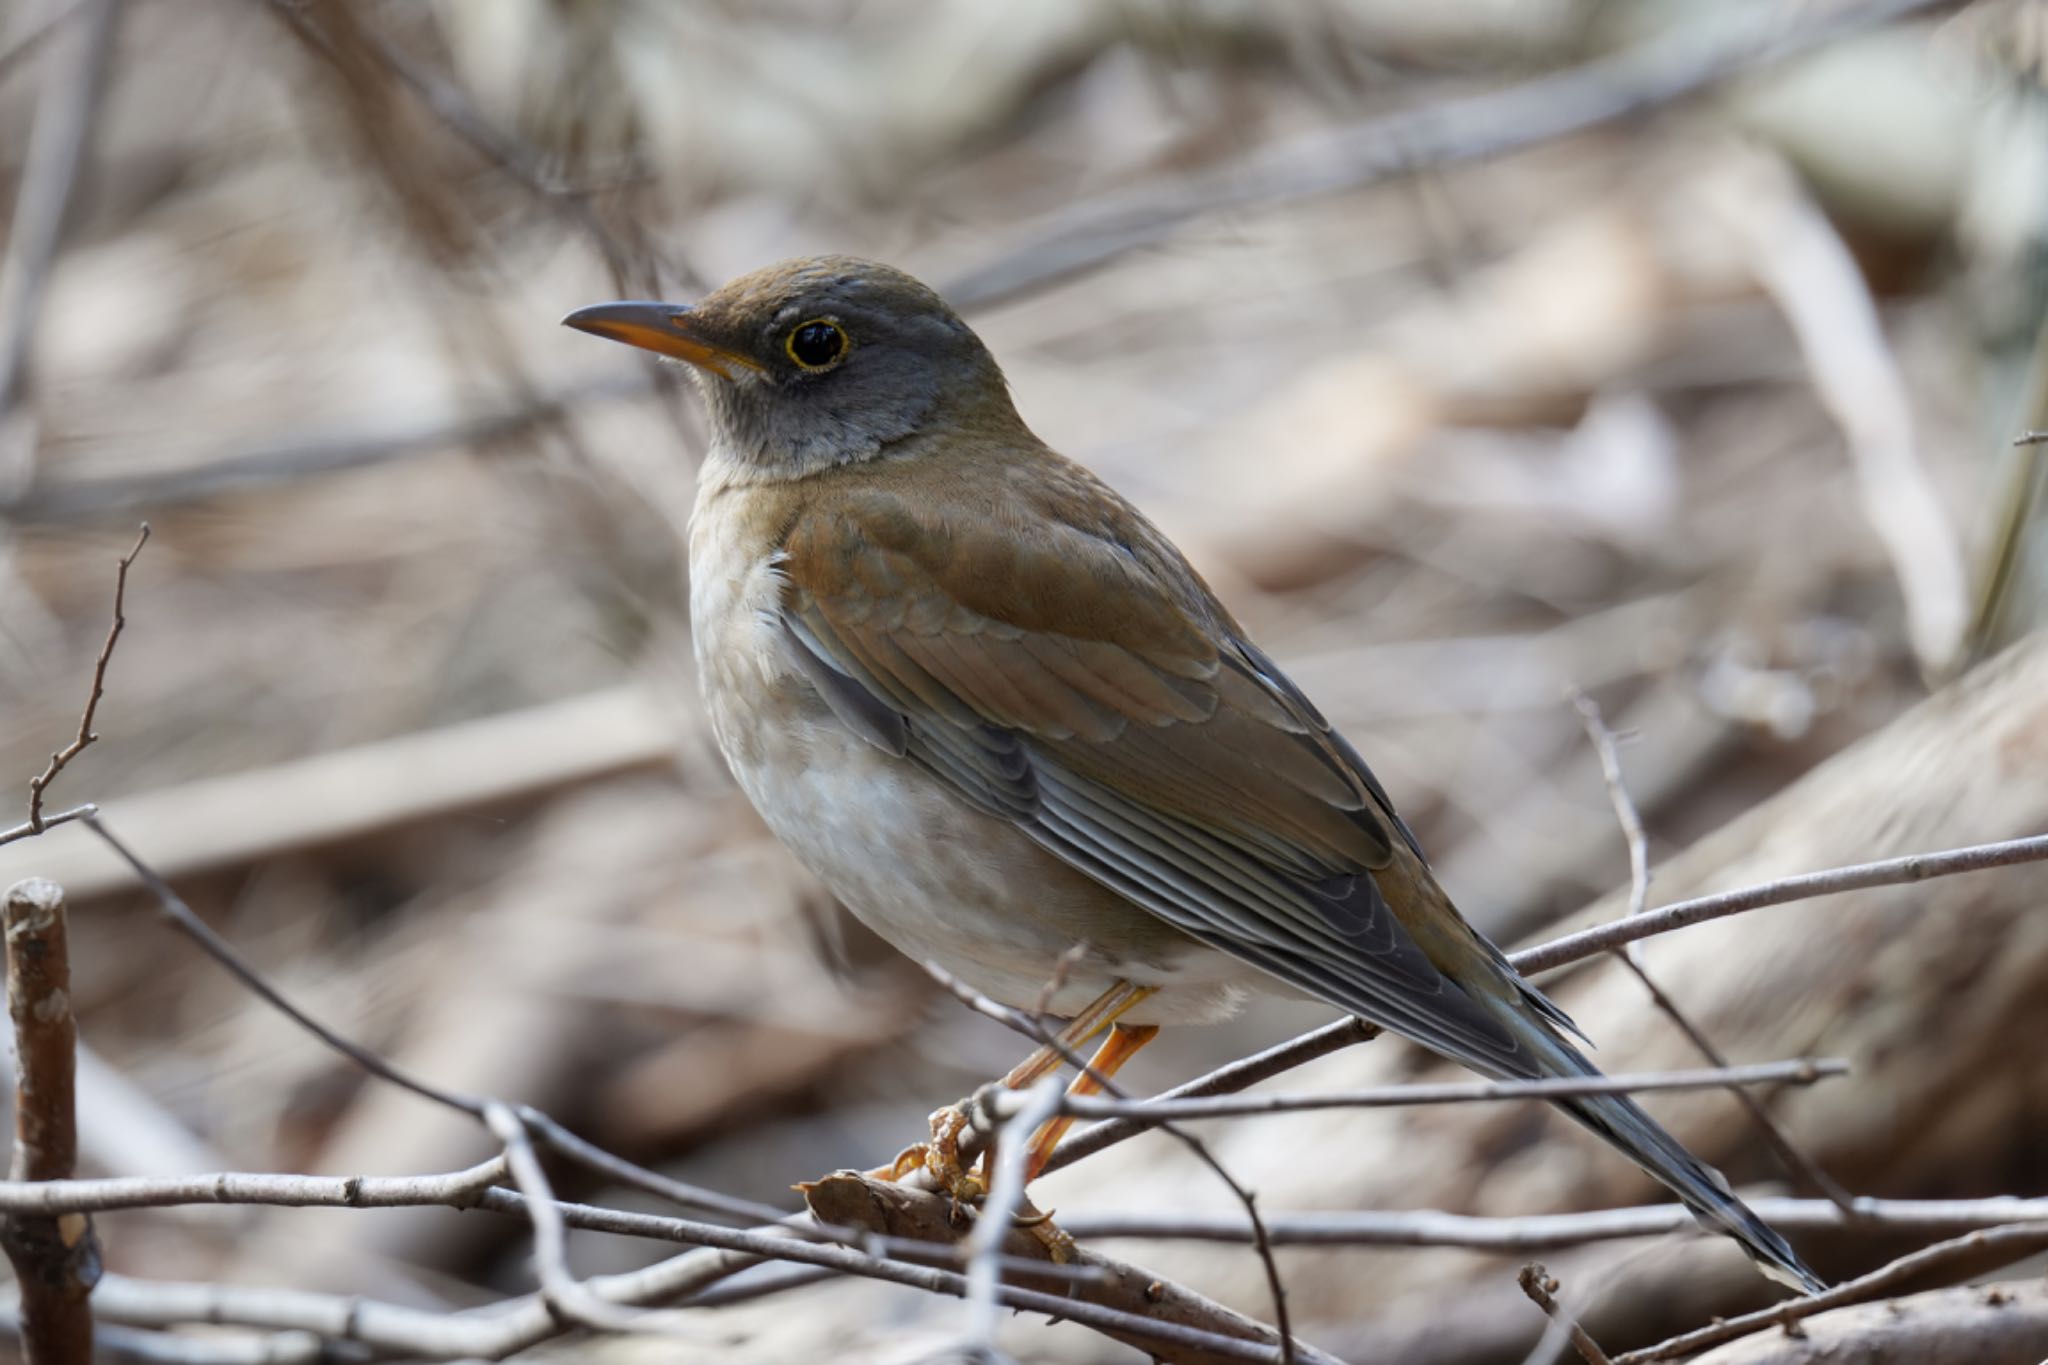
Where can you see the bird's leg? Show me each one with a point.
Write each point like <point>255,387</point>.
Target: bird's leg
<point>1119,1047</point>
<point>1122,1044</point>
<point>941,1155</point>
<point>1094,1017</point>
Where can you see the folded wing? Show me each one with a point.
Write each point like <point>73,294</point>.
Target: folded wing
<point>1084,686</point>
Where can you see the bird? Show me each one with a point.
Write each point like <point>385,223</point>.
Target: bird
<point>1006,722</point>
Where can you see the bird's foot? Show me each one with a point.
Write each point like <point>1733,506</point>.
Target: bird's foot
<point>939,1158</point>
<point>1058,1243</point>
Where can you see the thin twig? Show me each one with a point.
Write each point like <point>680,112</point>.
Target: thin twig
<point>562,1291</point>
<point>2010,1243</point>
<point>1914,867</point>
<point>1543,1232</point>
<point>1224,1080</point>
<point>1155,1113</point>
<point>1537,1283</point>
<point>1443,133</point>
<point>612,1166</point>
<point>476,1187</point>
<point>26,830</point>
<point>1005,1197</point>
<point>187,921</point>
<point>40,783</point>
<point>1608,749</point>
<point>56,1258</point>
<point>2031,438</point>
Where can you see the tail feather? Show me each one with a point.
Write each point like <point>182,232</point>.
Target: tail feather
<point>1700,1187</point>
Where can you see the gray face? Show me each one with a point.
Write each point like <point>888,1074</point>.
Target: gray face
<point>850,360</point>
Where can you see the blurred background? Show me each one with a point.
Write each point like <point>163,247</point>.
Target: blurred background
<point>1475,351</point>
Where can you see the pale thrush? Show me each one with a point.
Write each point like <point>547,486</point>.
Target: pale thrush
<point>999,714</point>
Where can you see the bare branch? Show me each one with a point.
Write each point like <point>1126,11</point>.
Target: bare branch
<point>612,1166</point>
<point>1608,749</point>
<point>1542,1232</point>
<point>56,1259</point>
<point>1965,1325</point>
<point>1224,1080</point>
<point>905,1210</point>
<point>40,783</point>
<point>561,1290</point>
<point>1152,1113</point>
<point>456,1190</point>
<point>2009,1243</point>
<point>168,1348</point>
<point>26,830</point>
<point>476,1188</point>
<point>1914,867</point>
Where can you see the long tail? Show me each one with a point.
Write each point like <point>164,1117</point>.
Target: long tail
<point>1701,1188</point>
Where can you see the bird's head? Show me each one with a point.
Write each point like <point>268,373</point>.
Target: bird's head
<point>820,362</point>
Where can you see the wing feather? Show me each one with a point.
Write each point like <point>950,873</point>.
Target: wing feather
<point>1144,741</point>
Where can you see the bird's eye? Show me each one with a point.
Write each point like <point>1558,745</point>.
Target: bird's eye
<point>817,344</point>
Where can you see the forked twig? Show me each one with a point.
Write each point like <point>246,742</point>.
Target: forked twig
<point>1607,747</point>
<point>40,783</point>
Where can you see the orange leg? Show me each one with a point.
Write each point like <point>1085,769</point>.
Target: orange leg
<point>1098,1015</point>
<point>1122,1044</point>
<point>941,1155</point>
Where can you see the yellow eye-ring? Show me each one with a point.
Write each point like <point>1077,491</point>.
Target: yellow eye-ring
<point>816,345</point>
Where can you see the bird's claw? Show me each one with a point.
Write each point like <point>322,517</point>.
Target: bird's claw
<point>1058,1243</point>
<point>940,1158</point>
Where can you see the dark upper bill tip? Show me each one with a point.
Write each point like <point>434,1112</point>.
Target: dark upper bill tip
<point>664,328</point>
<point>612,319</point>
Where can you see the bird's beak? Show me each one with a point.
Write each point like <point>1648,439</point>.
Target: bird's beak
<point>664,328</point>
